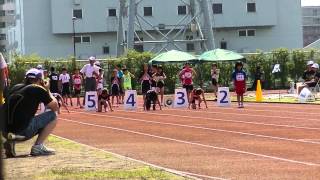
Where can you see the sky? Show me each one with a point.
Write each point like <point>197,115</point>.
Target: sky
<point>310,2</point>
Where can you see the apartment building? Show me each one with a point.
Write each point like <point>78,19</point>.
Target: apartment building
<point>46,27</point>
<point>7,20</point>
<point>311,24</point>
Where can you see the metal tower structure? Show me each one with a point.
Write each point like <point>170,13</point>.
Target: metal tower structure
<point>195,24</point>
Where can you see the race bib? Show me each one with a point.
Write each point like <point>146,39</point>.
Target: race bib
<point>240,77</point>
<point>77,81</point>
<point>55,78</point>
<point>188,75</point>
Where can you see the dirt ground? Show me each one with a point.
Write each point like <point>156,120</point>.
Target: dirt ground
<point>72,158</point>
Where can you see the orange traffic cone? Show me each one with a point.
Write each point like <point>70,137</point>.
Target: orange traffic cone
<point>258,92</point>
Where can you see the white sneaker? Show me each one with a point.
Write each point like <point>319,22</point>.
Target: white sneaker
<point>41,150</point>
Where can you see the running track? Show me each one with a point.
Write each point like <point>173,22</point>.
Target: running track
<point>261,141</point>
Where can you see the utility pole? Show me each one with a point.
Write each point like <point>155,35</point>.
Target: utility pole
<point>120,42</point>
<point>131,19</point>
<point>208,27</point>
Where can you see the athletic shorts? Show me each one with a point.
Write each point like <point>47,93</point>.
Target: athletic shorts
<point>37,124</point>
<point>188,87</point>
<point>240,89</point>
<point>90,84</point>
<point>160,84</point>
<point>65,89</point>
<point>77,91</point>
<point>115,90</point>
<point>145,86</point>
<point>214,82</point>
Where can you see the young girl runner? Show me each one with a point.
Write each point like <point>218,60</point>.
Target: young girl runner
<point>115,87</point>
<point>126,78</point>
<point>100,81</point>
<point>197,95</point>
<point>186,75</point>
<point>239,81</point>
<point>77,82</point>
<point>145,79</point>
<point>104,100</point>
<point>159,77</point>
<point>214,78</point>
<point>64,78</point>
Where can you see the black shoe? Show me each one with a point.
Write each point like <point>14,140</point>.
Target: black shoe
<point>9,147</point>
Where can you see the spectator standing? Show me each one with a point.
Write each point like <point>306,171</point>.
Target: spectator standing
<point>215,78</point>
<point>186,75</point>
<point>258,75</point>
<point>64,79</point>
<point>54,81</point>
<point>77,83</point>
<point>127,79</point>
<point>159,78</point>
<point>145,80</point>
<point>239,81</point>
<point>90,72</point>
<point>115,87</point>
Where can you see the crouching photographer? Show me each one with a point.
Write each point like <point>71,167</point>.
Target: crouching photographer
<point>21,122</point>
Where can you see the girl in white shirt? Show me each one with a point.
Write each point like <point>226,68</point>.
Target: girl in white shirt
<point>64,79</point>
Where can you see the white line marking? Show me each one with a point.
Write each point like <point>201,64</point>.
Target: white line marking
<point>244,114</point>
<point>177,172</point>
<point>196,144</point>
<point>203,128</point>
<point>232,121</point>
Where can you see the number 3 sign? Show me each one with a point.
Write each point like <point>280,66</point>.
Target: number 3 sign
<point>223,97</point>
<point>180,98</point>
<point>130,100</point>
<point>91,100</point>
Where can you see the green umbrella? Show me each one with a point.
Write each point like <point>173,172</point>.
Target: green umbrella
<point>173,56</point>
<point>220,55</point>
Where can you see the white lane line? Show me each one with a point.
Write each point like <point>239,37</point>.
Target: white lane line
<point>202,128</point>
<point>244,114</point>
<point>177,172</point>
<point>264,110</point>
<point>226,120</point>
<point>196,144</point>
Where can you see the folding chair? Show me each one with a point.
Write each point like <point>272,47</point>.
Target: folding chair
<point>316,90</point>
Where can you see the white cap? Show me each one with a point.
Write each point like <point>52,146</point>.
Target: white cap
<point>315,65</point>
<point>310,63</point>
<point>97,63</point>
<point>92,58</point>
<point>39,66</point>
<point>33,74</point>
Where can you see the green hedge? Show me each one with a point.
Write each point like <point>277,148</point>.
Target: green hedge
<point>292,66</point>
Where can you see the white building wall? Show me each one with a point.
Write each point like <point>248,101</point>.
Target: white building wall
<point>45,26</point>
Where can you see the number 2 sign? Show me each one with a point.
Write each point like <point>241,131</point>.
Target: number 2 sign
<point>91,101</point>
<point>223,97</point>
<point>130,100</point>
<point>180,98</point>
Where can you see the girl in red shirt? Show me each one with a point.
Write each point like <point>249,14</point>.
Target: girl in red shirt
<point>77,82</point>
<point>239,81</point>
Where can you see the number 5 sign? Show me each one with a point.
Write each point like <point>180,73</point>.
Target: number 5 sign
<point>180,98</point>
<point>91,99</point>
<point>223,97</point>
<point>130,100</point>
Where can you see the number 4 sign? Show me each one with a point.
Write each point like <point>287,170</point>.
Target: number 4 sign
<point>130,100</point>
<point>223,97</point>
<point>180,98</point>
<point>91,100</point>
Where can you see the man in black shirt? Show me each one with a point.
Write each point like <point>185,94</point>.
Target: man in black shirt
<point>314,81</point>
<point>20,108</point>
<point>309,73</point>
<point>54,80</point>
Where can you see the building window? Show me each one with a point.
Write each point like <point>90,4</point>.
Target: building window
<point>182,10</point>
<point>77,13</point>
<point>1,1</point>
<point>189,37</point>
<point>77,39</point>
<point>10,1</point>
<point>112,12</point>
<point>2,12</point>
<point>147,11</point>
<point>242,33</point>
<point>223,45</point>
<point>251,7</point>
<point>316,21</point>
<point>86,39</point>
<point>11,12</point>
<point>190,47</point>
<point>3,36</point>
<point>251,32</point>
<point>2,24</point>
<point>217,8</point>
<point>138,47</point>
<point>106,50</point>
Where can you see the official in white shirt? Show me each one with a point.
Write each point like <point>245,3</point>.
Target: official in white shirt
<point>90,72</point>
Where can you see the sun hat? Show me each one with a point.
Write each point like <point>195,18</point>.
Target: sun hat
<point>310,63</point>
<point>92,58</point>
<point>33,74</point>
<point>315,65</point>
